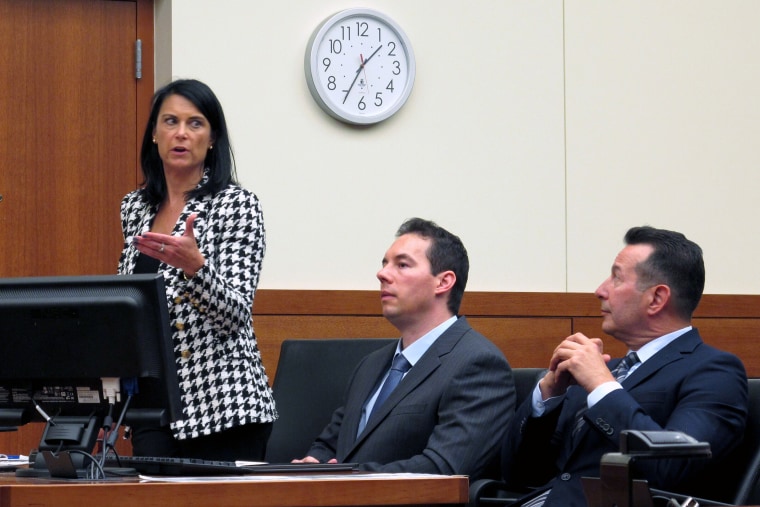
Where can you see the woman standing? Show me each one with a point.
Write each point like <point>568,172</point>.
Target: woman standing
<point>195,225</point>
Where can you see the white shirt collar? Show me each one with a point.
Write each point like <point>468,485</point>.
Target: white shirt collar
<point>656,345</point>
<point>414,352</point>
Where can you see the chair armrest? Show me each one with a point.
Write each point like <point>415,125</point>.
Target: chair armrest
<point>491,492</point>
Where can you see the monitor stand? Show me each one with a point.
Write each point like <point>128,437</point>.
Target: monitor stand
<point>61,466</point>
<point>64,451</point>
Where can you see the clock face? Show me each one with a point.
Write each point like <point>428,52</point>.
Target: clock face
<point>359,66</point>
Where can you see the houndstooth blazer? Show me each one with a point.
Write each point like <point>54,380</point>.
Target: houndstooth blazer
<point>221,376</point>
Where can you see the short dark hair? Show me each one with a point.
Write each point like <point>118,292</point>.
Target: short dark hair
<point>446,253</point>
<point>220,162</point>
<point>675,261</point>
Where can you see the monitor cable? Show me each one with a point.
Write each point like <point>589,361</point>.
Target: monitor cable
<point>129,386</point>
<point>42,412</point>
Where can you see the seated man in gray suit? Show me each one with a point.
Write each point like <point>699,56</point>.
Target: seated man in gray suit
<point>456,394</point>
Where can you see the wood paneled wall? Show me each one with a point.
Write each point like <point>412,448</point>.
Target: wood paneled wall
<point>525,325</point>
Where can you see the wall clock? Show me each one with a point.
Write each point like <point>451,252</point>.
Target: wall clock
<point>359,66</point>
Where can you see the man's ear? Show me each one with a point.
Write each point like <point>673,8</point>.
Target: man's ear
<point>446,281</point>
<point>660,298</point>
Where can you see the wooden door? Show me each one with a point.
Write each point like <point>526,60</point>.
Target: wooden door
<point>70,112</point>
<point>71,119</point>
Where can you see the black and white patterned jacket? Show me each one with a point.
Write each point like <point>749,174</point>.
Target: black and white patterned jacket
<point>221,376</point>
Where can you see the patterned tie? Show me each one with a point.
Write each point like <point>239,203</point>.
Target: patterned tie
<point>620,373</point>
<point>398,368</point>
<point>621,370</point>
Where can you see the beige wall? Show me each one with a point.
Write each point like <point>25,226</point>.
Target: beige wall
<point>538,131</point>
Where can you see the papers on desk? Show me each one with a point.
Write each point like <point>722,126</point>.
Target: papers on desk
<point>10,461</point>
<point>299,477</point>
<point>212,478</point>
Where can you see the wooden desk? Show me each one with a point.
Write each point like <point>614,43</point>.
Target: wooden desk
<point>295,491</point>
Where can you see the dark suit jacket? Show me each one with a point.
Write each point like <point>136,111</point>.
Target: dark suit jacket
<point>687,386</point>
<point>447,415</point>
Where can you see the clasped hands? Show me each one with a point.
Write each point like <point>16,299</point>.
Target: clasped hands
<point>179,251</point>
<point>578,360</point>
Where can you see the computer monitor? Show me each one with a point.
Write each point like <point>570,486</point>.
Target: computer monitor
<point>72,350</point>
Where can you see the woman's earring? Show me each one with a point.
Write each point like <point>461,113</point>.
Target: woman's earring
<point>154,140</point>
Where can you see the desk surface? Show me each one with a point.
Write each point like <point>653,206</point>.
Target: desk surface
<point>274,491</point>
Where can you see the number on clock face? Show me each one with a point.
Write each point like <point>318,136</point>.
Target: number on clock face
<point>363,67</point>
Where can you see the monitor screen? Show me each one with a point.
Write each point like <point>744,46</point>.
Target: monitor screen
<point>67,343</point>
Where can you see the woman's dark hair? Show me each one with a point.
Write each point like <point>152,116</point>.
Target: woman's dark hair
<point>446,253</point>
<point>219,163</point>
<point>675,261</point>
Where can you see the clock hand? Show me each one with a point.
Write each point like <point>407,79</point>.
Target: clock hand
<point>370,56</point>
<point>358,71</point>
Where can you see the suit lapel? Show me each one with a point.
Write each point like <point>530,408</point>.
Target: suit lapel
<point>575,407</point>
<point>428,363</point>
<point>137,228</point>
<point>366,384</point>
<point>678,349</point>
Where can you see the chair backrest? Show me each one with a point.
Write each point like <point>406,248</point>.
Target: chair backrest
<point>311,378</point>
<point>737,480</point>
<point>525,380</point>
<point>747,490</point>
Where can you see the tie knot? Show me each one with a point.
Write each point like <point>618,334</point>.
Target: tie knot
<point>400,363</point>
<point>630,359</point>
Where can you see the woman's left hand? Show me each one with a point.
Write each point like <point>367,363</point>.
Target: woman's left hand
<point>179,251</point>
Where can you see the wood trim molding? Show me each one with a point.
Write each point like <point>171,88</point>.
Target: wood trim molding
<point>502,304</point>
<point>526,326</point>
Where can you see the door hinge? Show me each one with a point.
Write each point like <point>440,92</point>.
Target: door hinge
<point>138,59</point>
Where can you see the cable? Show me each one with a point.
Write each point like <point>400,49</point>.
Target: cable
<point>109,438</point>
<point>39,409</point>
<point>131,387</point>
<point>115,434</point>
<point>107,432</point>
<point>101,474</point>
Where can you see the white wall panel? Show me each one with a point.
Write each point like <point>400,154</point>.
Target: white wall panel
<point>538,130</point>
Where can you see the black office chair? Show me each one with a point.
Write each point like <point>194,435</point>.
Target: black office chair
<point>744,471</point>
<point>525,380</point>
<point>747,489</point>
<point>311,378</point>
<point>490,491</point>
<point>736,483</point>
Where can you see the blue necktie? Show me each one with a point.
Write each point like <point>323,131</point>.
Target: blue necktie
<point>398,368</point>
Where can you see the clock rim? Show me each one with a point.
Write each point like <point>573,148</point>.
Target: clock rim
<point>311,68</point>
